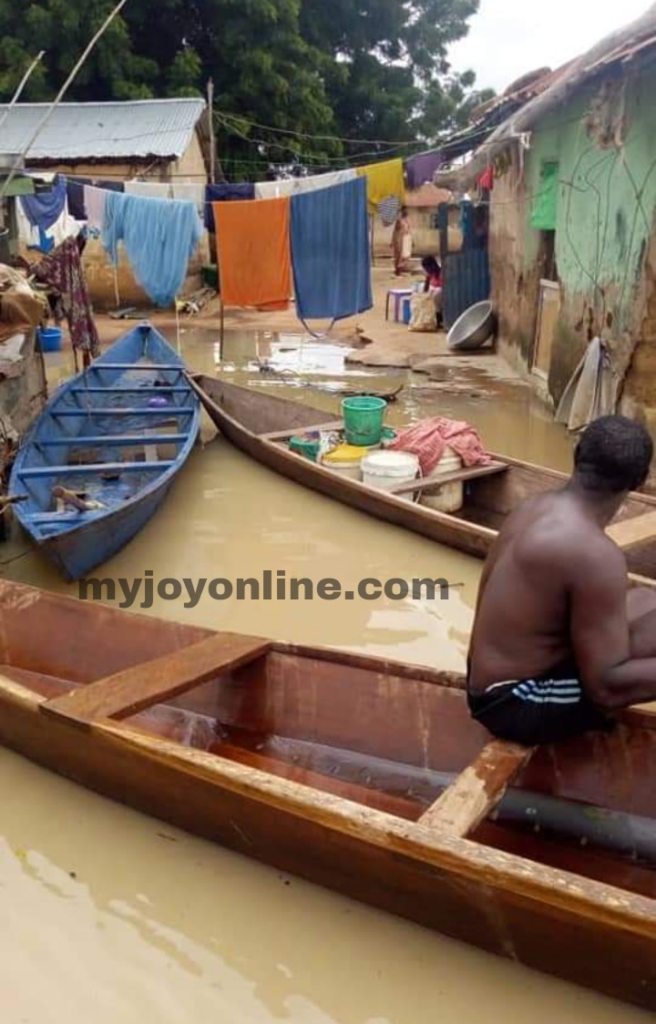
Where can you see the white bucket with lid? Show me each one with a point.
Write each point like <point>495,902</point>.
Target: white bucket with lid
<point>386,470</point>
<point>449,498</point>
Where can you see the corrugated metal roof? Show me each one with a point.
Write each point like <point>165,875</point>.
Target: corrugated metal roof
<point>143,129</point>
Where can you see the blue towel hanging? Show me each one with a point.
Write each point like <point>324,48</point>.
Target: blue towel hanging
<point>330,251</point>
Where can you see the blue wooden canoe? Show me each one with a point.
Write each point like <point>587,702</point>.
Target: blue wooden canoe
<point>116,435</point>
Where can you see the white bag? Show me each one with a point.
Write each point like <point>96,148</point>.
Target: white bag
<point>423,316</point>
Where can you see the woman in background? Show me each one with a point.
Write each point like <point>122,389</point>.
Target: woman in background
<point>401,242</point>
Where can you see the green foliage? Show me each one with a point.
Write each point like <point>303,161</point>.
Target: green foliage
<point>377,69</point>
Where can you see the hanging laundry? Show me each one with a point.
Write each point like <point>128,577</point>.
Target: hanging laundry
<point>160,237</point>
<point>254,257</point>
<point>389,210</point>
<point>486,180</point>
<point>421,168</point>
<point>94,204</point>
<point>383,180</point>
<point>47,240</point>
<point>75,197</point>
<point>44,208</point>
<point>297,186</point>
<point>330,252</point>
<point>153,189</point>
<point>225,193</point>
<point>428,439</point>
<point>62,270</point>
<point>109,184</point>
<point>190,193</point>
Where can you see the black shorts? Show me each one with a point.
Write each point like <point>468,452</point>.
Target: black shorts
<point>549,709</point>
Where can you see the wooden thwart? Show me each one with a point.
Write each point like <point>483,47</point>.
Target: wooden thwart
<point>631,533</point>
<point>478,789</point>
<point>451,478</point>
<point>282,435</point>
<point>153,682</point>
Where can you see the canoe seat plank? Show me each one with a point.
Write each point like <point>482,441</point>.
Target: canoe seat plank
<point>167,389</point>
<point>450,478</point>
<point>153,682</point>
<point>631,533</point>
<point>282,435</point>
<point>477,790</point>
<point>97,367</point>
<point>110,440</point>
<point>169,412</point>
<point>93,467</point>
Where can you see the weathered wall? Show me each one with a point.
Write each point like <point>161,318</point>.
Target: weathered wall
<point>603,142</point>
<point>22,385</point>
<point>513,267</point>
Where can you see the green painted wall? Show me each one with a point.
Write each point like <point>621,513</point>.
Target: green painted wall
<point>606,204</point>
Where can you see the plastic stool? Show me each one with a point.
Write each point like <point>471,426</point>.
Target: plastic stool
<point>399,294</point>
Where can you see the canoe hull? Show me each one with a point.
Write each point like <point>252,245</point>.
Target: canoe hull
<point>76,555</point>
<point>548,918</point>
<point>99,402</point>
<point>472,532</point>
<point>443,892</point>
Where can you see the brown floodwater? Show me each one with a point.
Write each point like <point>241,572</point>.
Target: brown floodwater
<point>108,915</point>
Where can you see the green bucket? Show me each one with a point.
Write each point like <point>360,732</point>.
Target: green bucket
<point>363,420</point>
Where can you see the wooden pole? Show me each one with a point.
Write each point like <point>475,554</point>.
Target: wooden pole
<point>210,110</point>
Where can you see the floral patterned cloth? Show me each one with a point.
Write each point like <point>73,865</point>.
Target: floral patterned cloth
<point>62,271</point>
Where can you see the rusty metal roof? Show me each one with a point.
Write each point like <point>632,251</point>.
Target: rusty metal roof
<point>76,132</point>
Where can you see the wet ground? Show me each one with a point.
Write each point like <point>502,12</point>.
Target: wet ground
<point>111,916</point>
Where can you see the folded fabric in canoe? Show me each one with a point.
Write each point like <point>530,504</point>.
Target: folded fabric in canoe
<point>253,248</point>
<point>160,237</point>
<point>225,193</point>
<point>330,251</point>
<point>429,438</point>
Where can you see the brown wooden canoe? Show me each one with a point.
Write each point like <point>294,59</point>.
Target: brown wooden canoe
<point>261,425</point>
<point>359,774</point>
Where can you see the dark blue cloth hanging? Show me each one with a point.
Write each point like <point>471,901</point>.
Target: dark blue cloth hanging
<point>330,251</point>
<point>223,193</point>
<point>43,209</point>
<point>75,195</point>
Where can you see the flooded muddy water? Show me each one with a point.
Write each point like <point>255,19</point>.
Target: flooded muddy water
<point>110,916</point>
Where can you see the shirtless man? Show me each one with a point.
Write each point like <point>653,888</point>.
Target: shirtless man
<point>557,643</point>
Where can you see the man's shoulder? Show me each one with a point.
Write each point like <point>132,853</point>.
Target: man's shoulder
<point>575,546</point>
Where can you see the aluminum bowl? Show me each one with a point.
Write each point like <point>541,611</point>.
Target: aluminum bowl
<point>473,328</point>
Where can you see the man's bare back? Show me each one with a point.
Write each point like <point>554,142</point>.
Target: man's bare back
<point>553,650</point>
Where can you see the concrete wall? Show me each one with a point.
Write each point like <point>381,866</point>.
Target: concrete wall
<point>603,142</point>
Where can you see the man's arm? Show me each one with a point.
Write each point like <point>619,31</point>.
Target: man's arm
<point>600,634</point>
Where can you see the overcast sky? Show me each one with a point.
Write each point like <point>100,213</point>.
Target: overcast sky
<point>508,38</point>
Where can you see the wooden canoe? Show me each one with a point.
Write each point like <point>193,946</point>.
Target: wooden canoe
<point>261,426</point>
<point>363,775</point>
<point>114,437</point>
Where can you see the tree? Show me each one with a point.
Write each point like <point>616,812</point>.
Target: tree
<point>312,71</point>
<point>386,65</point>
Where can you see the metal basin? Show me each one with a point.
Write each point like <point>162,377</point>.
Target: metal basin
<point>473,328</point>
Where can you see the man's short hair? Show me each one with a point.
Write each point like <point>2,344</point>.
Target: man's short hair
<point>613,455</point>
